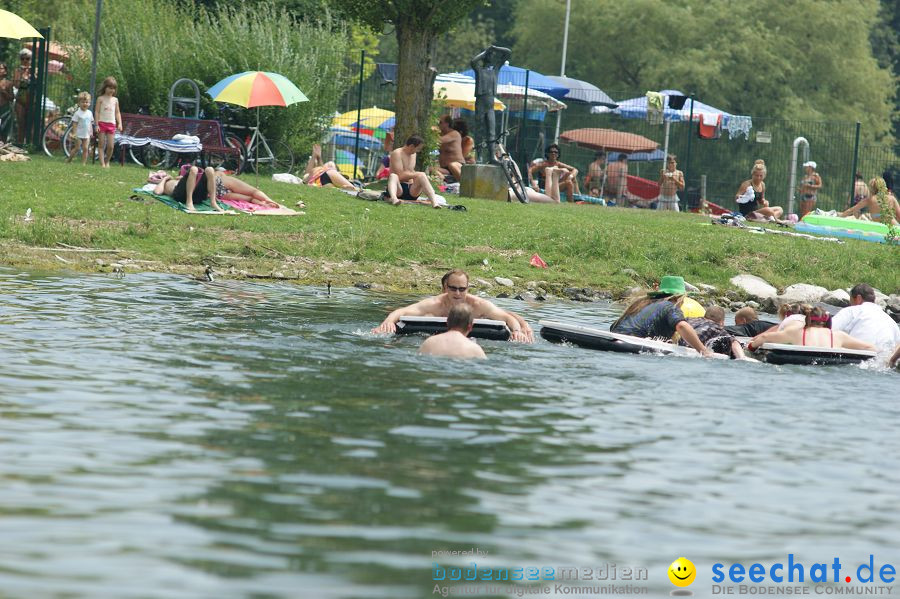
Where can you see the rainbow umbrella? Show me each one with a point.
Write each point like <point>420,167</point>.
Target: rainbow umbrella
<point>344,160</point>
<point>14,26</point>
<point>252,89</point>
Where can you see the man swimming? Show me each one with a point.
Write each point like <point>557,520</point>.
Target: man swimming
<point>455,287</point>
<point>455,343</point>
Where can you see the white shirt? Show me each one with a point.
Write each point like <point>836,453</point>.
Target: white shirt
<point>83,121</point>
<point>868,322</point>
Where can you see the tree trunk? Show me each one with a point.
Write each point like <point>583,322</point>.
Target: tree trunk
<point>415,79</point>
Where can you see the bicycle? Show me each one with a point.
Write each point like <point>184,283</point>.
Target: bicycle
<point>56,129</point>
<point>259,152</point>
<point>509,166</point>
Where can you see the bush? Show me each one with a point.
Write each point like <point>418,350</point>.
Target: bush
<point>150,44</point>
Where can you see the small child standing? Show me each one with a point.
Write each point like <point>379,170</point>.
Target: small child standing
<point>83,120</point>
<point>109,119</point>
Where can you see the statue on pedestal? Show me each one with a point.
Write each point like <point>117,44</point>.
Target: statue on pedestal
<point>487,69</point>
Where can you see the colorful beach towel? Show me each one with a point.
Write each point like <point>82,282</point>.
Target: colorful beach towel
<point>251,208</point>
<point>199,208</point>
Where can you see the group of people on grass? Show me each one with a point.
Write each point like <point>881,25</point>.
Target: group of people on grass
<point>658,314</point>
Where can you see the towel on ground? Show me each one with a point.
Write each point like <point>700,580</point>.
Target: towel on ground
<point>203,207</point>
<point>251,208</point>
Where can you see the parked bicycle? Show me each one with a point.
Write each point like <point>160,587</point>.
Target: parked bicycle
<point>509,166</point>
<point>268,155</point>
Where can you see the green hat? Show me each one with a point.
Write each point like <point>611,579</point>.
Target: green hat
<point>670,285</point>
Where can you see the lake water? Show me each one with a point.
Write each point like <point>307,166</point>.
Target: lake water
<point>162,437</point>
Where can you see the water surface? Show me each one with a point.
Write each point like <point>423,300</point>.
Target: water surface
<point>163,437</point>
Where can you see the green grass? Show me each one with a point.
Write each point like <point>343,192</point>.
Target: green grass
<point>344,240</point>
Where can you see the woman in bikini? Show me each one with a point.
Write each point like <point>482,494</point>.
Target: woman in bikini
<point>816,332</point>
<point>751,196</point>
<point>194,185</point>
<point>322,174</point>
<point>871,203</point>
<point>860,190</point>
<point>809,188</point>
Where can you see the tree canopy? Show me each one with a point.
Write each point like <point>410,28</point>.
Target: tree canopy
<point>416,23</point>
<point>798,60</point>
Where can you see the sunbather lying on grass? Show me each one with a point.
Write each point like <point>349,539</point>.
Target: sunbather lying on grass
<point>195,186</point>
<point>319,173</point>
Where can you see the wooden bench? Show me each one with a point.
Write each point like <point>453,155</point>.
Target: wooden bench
<point>165,128</point>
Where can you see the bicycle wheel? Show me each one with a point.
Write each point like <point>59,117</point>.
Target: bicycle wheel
<point>229,162</point>
<point>514,179</point>
<point>70,142</point>
<point>51,141</point>
<point>274,157</point>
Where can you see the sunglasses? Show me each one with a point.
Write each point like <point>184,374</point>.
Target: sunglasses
<point>457,289</point>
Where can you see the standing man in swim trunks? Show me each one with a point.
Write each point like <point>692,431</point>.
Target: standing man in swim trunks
<point>451,154</point>
<point>455,286</point>
<point>455,343</point>
<point>671,181</point>
<point>405,182</point>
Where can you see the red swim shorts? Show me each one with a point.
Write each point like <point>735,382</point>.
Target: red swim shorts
<point>106,127</point>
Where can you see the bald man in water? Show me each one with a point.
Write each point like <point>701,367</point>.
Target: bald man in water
<point>455,343</point>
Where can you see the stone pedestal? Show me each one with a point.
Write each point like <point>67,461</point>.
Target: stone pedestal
<point>483,181</point>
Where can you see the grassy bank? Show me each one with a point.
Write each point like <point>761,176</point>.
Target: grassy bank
<point>343,240</point>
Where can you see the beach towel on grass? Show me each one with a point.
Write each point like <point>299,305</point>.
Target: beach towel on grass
<point>199,208</point>
<point>251,208</point>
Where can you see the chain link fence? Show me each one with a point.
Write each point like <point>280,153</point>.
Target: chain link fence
<point>357,131</point>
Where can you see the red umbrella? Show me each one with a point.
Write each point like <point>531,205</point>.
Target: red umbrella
<point>610,140</point>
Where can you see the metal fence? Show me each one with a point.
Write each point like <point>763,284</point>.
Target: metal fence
<point>358,133</point>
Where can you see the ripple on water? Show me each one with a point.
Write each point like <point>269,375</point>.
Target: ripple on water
<point>249,439</point>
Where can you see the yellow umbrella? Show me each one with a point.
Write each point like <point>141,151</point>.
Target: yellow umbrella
<point>15,27</point>
<point>369,118</point>
<point>459,95</point>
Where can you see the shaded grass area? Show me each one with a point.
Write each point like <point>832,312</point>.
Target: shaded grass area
<point>344,240</point>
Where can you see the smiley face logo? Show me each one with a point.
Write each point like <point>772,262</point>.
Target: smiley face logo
<point>682,572</point>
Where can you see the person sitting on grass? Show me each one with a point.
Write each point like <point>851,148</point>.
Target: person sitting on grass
<point>568,179</point>
<point>872,204</point>
<point>322,174</point>
<point>468,144</point>
<point>455,343</point>
<point>451,156</point>
<point>455,287</point>
<point>751,196</point>
<point>405,182</point>
<point>815,332</point>
<point>657,314</point>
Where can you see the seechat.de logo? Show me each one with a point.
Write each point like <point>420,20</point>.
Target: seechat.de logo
<point>682,572</point>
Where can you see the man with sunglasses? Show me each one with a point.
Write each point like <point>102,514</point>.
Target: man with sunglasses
<point>568,181</point>
<point>455,286</point>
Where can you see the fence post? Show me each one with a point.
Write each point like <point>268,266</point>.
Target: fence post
<point>37,87</point>
<point>521,133</point>
<point>855,163</point>
<point>362,62</point>
<point>687,162</point>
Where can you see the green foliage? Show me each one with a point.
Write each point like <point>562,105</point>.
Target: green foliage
<point>586,246</point>
<point>148,45</point>
<point>799,60</point>
<point>453,50</point>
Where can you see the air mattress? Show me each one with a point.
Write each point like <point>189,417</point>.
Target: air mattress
<point>591,338</point>
<point>804,227</point>
<point>483,328</point>
<point>779,353</point>
<point>845,223</point>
